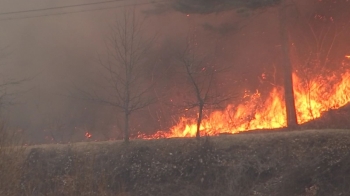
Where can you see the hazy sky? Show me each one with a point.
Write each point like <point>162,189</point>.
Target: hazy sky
<point>53,51</point>
<point>54,48</point>
<point>57,51</point>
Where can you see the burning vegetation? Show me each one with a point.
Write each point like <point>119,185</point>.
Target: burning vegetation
<point>271,64</point>
<point>323,93</point>
<point>318,87</point>
<point>308,53</point>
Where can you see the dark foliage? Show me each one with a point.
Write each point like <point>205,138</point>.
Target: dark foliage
<point>209,6</point>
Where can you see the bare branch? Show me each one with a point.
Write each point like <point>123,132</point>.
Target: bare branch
<point>127,87</point>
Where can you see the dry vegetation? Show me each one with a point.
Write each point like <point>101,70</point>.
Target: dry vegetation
<point>11,159</point>
<point>314,162</point>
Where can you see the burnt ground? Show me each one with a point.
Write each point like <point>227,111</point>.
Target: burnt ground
<point>311,162</point>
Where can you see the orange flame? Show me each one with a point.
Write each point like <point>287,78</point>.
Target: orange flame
<point>311,100</point>
<point>88,135</point>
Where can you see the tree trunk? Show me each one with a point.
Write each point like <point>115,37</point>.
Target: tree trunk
<point>126,127</point>
<point>287,67</point>
<point>199,120</point>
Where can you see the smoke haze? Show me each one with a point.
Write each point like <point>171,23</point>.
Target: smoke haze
<point>57,54</point>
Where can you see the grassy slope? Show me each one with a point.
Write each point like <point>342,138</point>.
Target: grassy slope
<point>313,162</point>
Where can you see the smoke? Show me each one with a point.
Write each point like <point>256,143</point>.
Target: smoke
<point>60,53</point>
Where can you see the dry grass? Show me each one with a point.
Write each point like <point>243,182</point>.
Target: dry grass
<point>11,159</point>
<point>313,162</point>
<point>65,170</point>
<point>24,173</point>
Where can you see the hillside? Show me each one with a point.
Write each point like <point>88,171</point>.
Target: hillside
<point>312,162</point>
<point>334,118</point>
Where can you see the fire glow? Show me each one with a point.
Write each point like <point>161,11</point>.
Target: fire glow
<point>88,135</point>
<point>320,95</point>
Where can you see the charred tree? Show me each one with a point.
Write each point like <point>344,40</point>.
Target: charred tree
<point>292,122</point>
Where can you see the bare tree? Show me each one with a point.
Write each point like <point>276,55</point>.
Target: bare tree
<point>200,72</point>
<point>128,87</point>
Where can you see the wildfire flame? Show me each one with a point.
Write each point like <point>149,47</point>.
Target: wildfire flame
<point>88,135</point>
<point>320,95</point>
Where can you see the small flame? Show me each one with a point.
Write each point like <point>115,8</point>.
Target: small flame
<point>88,135</point>
<point>347,56</point>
